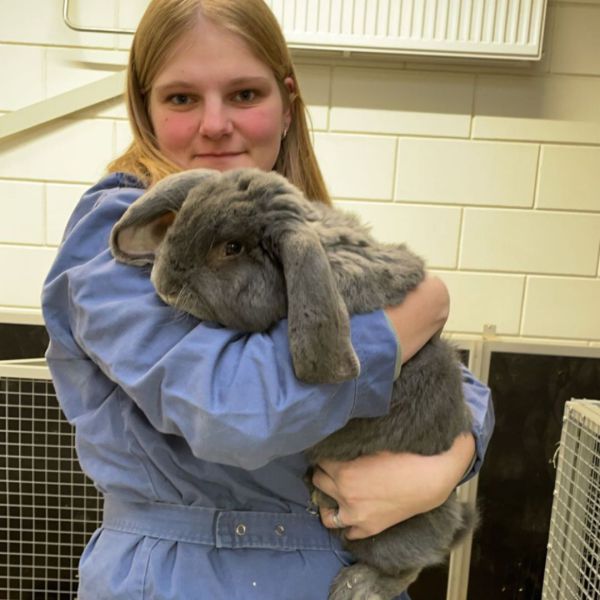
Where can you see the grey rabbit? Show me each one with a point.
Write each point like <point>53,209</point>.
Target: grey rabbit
<point>245,249</point>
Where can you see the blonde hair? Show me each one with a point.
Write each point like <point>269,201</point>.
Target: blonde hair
<point>162,25</point>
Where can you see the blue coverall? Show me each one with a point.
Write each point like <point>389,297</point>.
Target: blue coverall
<point>194,433</point>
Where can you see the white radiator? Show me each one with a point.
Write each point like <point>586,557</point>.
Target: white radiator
<point>509,29</point>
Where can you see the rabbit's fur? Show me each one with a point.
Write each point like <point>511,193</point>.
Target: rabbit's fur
<point>245,249</point>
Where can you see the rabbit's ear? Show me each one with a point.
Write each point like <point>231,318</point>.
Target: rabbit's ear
<point>136,236</point>
<point>136,244</point>
<point>319,327</point>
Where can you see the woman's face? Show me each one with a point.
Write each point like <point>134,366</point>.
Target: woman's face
<point>215,105</point>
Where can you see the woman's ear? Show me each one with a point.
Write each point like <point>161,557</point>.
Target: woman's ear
<point>290,86</point>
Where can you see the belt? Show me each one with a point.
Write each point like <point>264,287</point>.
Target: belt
<point>218,528</point>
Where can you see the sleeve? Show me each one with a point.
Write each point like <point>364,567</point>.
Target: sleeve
<point>232,396</point>
<point>479,399</point>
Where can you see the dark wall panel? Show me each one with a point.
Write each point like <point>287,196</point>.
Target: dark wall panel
<point>22,341</point>
<point>517,481</point>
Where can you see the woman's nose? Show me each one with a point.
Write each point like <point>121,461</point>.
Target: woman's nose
<point>215,121</point>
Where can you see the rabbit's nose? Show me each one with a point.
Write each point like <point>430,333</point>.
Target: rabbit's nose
<point>170,292</point>
<point>167,298</point>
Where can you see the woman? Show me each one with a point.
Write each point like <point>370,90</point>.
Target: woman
<point>195,433</point>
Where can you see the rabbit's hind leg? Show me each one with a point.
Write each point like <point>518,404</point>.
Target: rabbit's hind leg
<point>362,582</point>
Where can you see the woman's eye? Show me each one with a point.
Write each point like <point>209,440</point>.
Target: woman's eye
<point>233,248</point>
<point>246,96</point>
<point>179,99</point>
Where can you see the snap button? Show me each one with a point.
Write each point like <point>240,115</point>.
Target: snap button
<point>240,529</point>
<point>279,529</point>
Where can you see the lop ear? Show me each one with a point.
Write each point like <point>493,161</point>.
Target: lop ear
<point>138,233</point>
<point>319,327</point>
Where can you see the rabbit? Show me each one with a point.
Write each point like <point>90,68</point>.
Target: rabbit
<point>245,248</point>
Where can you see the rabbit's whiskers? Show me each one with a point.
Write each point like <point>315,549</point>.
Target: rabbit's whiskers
<point>183,296</point>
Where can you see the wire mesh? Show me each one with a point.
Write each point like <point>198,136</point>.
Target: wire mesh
<point>48,507</point>
<point>573,558</point>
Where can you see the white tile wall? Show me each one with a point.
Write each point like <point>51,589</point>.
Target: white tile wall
<point>569,178</point>
<point>23,271</point>
<point>482,299</point>
<point>69,68</point>
<point>22,74</point>
<point>23,212</point>
<point>123,136</point>
<point>430,231</point>
<point>41,22</point>
<point>577,40</point>
<point>60,202</point>
<point>314,83</point>
<point>490,171</point>
<point>395,101</point>
<point>64,150</point>
<point>357,166</point>
<point>466,172</point>
<point>129,12</point>
<point>560,108</point>
<point>110,109</point>
<point>530,242</point>
<point>566,308</point>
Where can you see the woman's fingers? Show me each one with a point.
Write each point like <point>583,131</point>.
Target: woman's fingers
<point>332,518</point>
<point>325,482</point>
<point>323,479</point>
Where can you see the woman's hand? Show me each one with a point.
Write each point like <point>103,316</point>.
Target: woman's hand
<point>378,491</point>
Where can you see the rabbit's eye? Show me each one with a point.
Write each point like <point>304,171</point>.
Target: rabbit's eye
<point>233,248</point>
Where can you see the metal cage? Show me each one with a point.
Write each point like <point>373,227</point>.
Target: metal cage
<point>573,558</point>
<point>49,508</point>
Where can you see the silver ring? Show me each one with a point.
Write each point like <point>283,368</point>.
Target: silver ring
<point>337,521</point>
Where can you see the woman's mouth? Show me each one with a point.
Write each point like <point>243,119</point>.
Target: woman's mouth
<point>218,154</point>
<point>220,161</point>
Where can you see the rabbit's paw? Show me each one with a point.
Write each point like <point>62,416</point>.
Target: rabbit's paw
<point>358,582</point>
